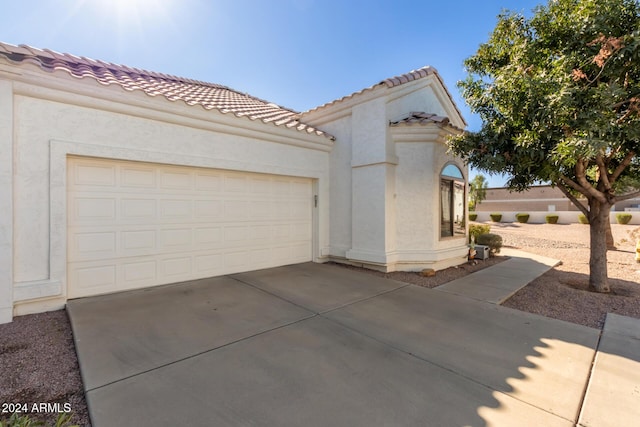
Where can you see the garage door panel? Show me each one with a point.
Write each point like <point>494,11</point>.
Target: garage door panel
<point>92,280</point>
<point>174,239</point>
<point>236,209</point>
<point>175,180</point>
<point>133,224</point>
<point>208,181</point>
<point>138,177</point>
<point>175,209</point>
<point>209,210</point>
<point>138,208</point>
<point>235,184</point>
<point>137,243</point>
<point>176,269</point>
<point>89,209</point>
<point>95,175</point>
<point>209,237</point>
<point>139,273</point>
<point>92,245</point>
<point>209,264</point>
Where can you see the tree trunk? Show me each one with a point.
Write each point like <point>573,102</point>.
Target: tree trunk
<point>598,225</point>
<point>611,244</point>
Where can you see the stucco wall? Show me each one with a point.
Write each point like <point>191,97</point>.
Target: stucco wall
<point>422,100</point>
<point>536,199</point>
<point>46,131</point>
<point>340,187</point>
<point>6,201</point>
<point>393,200</point>
<point>418,206</point>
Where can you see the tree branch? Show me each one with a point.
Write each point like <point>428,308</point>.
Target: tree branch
<point>621,103</point>
<point>622,166</point>
<point>628,196</point>
<point>586,185</point>
<point>604,173</point>
<point>574,199</point>
<point>571,183</point>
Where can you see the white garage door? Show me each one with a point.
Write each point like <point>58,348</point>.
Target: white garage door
<point>133,225</point>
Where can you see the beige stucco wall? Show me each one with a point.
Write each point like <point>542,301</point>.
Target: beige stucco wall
<point>47,124</point>
<point>537,199</point>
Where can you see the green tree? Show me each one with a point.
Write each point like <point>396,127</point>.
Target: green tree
<point>559,97</point>
<point>477,191</point>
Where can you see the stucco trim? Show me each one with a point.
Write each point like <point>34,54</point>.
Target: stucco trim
<point>142,106</point>
<point>391,160</point>
<point>25,291</point>
<point>364,256</point>
<point>6,201</point>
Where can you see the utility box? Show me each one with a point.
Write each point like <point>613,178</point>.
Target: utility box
<point>482,252</point>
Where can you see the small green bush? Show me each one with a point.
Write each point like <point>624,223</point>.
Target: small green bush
<point>582,219</point>
<point>522,217</point>
<point>495,217</point>
<point>551,219</point>
<point>473,216</point>
<point>477,229</point>
<point>623,218</point>
<point>494,241</point>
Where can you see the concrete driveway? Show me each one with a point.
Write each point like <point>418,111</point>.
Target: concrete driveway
<point>321,345</point>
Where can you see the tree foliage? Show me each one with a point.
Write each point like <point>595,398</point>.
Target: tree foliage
<point>559,97</point>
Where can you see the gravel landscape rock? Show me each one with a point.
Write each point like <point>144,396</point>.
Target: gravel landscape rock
<point>562,293</point>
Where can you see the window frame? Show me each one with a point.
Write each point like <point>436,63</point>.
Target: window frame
<point>449,179</point>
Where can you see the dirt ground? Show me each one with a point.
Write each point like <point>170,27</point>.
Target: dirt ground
<point>38,362</point>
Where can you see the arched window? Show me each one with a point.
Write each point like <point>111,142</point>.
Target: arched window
<point>452,202</point>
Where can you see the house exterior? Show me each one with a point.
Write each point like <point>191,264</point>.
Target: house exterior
<point>114,178</point>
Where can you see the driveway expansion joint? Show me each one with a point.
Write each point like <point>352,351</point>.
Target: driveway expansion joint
<point>195,355</point>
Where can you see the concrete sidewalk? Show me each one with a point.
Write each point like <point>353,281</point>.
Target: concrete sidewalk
<point>613,394</point>
<point>319,345</point>
<point>497,283</point>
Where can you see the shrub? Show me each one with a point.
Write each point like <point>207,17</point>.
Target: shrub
<point>496,217</point>
<point>494,241</point>
<point>582,219</point>
<point>522,217</point>
<point>477,229</point>
<point>473,216</point>
<point>623,218</point>
<point>551,219</point>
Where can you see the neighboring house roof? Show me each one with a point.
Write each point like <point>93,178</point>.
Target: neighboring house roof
<point>208,95</point>
<point>421,118</point>
<point>393,82</point>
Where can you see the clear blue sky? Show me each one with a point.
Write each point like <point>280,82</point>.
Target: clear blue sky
<point>296,53</point>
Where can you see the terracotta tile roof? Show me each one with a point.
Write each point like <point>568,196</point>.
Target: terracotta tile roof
<point>421,118</point>
<point>397,81</point>
<point>409,77</point>
<point>210,96</point>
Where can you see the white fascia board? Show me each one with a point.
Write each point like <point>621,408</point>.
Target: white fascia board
<point>67,89</point>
